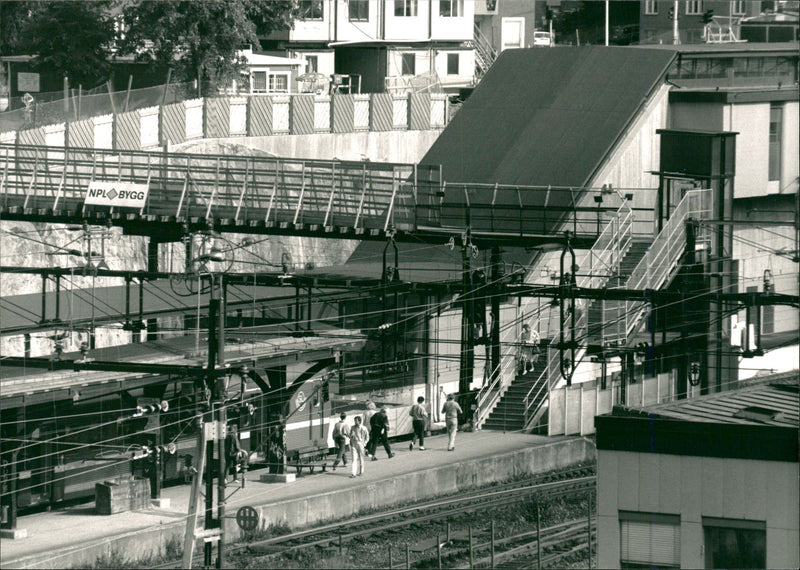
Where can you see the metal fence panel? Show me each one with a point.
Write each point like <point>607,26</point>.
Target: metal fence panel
<point>322,114</point>
<point>217,117</point>
<point>400,111</point>
<point>238,116</point>
<point>149,120</point>
<point>103,131</point>
<point>438,106</point>
<point>302,114</point>
<point>173,122</point>
<point>260,116</point>
<point>81,133</point>
<point>280,114</point>
<point>361,112</point>
<point>127,131</point>
<point>342,108</point>
<point>381,112</point>
<point>31,136</point>
<point>420,117</point>
<point>195,122</point>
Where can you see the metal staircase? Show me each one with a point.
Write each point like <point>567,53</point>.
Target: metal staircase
<point>509,413</point>
<point>654,270</point>
<point>485,54</point>
<point>602,262</point>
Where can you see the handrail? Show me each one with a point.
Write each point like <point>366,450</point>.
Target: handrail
<point>654,269</point>
<point>607,253</point>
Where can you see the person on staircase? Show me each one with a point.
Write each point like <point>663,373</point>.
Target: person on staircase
<point>528,349</point>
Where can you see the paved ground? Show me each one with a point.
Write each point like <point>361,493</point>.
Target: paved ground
<point>81,526</point>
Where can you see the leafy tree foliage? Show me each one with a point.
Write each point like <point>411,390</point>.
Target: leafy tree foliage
<point>71,37</point>
<point>199,40</point>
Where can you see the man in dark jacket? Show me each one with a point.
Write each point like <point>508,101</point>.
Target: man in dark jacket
<point>379,430</point>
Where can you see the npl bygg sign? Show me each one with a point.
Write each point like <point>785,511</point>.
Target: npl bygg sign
<point>122,194</point>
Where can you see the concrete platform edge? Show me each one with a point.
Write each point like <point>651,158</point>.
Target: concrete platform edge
<point>301,512</point>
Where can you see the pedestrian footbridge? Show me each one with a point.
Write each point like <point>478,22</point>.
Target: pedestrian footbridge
<point>167,195</point>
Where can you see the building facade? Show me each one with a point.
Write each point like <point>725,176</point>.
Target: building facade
<point>706,483</point>
<point>384,45</point>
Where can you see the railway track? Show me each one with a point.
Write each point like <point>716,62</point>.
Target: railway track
<point>573,481</point>
<point>536,549</point>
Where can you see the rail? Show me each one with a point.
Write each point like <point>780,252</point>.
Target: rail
<point>657,266</point>
<point>603,261</point>
<point>350,199</point>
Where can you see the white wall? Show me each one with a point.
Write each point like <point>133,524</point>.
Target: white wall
<point>355,31</point>
<point>394,61</point>
<point>408,28</point>
<point>751,121</point>
<point>790,169</point>
<point>321,30</point>
<point>453,28</point>
<point>695,487</point>
<point>638,154</point>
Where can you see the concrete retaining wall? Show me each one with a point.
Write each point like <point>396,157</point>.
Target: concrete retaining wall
<point>300,512</point>
<point>419,486</point>
<point>388,146</point>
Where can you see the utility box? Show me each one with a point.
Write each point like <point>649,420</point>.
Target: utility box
<point>122,494</point>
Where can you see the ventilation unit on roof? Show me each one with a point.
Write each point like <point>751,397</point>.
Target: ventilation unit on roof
<point>756,413</point>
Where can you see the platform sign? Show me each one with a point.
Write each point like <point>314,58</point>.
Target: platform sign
<point>247,518</point>
<point>120,194</point>
<point>28,81</point>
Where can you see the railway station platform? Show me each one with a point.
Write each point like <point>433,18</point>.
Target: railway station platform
<point>78,537</point>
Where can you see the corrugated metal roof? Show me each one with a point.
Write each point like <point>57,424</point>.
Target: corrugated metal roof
<point>770,403</point>
<point>547,117</point>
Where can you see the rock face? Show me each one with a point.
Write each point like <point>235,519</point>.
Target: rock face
<point>39,245</point>
<point>27,245</point>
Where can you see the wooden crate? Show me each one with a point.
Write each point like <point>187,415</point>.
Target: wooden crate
<point>122,494</point>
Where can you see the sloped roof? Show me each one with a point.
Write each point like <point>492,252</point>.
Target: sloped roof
<point>547,116</point>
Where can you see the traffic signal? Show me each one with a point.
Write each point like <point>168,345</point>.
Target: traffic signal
<point>671,14</point>
<point>153,408</point>
<point>708,15</point>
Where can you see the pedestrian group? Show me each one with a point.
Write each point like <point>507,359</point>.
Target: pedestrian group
<point>363,442</point>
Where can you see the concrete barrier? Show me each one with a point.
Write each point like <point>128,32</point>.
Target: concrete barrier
<point>297,513</point>
<point>410,487</point>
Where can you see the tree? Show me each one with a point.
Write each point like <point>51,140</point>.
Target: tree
<point>70,37</point>
<point>200,40</point>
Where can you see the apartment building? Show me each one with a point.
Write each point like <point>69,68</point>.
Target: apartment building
<point>384,45</point>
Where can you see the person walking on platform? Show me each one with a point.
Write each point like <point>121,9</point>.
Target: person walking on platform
<point>358,440</point>
<point>419,417</point>
<point>379,431</point>
<point>451,410</point>
<point>340,431</point>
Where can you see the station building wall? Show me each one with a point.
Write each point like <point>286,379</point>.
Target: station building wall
<point>693,488</point>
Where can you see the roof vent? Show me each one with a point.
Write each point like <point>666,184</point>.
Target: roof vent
<point>756,413</point>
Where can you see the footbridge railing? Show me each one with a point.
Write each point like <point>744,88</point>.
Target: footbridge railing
<point>245,194</point>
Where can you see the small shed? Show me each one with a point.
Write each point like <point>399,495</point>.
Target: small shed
<point>270,74</point>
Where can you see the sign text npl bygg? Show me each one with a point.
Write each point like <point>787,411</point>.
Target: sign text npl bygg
<point>122,194</point>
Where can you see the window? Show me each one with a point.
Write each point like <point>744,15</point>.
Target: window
<point>451,8</point>
<point>259,82</point>
<point>310,9</point>
<point>694,7</point>
<point>312,63</point>
<point>775,120</point>
<point>409,64</point>
<point>405,8</point>
<point>738,7</point>
<point>278,82</point>
<point>358,10</point>
<point>649,540</point>
<point>452,64</point>
<point>651,7</point>
<point>731,543</point>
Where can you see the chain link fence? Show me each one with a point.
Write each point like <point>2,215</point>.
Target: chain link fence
<point>52,108</point>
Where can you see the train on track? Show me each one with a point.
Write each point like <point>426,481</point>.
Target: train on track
<point>153,432</point>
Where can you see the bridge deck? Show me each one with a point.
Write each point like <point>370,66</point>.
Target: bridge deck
<point>323,198</point>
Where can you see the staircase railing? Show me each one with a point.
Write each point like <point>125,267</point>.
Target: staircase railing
<point>491,392</point>
<point>661,260</point>
<point>485,54</point>
<point>601,263</point>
